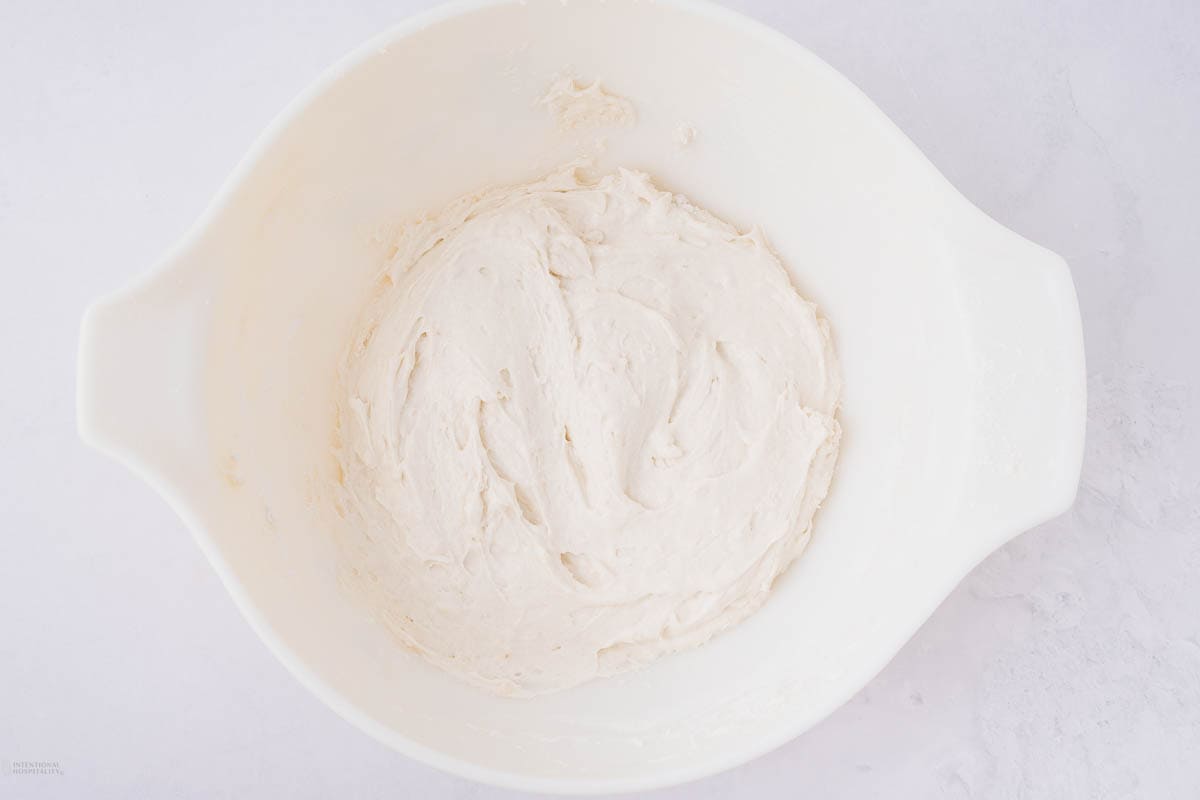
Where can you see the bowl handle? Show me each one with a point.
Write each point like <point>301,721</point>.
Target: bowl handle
<point>1021,310</point>
<point>141,355</point>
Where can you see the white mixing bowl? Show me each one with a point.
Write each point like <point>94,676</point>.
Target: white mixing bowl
<point>960,344</point>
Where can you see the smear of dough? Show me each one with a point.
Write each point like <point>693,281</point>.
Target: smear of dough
<point>684,135</point>
<point>585,424</point>
<point>577,105</point>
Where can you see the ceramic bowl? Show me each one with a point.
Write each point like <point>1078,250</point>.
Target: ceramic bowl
<point>960,345</point>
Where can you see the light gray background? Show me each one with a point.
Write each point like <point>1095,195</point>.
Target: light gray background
<point>1066,666</point>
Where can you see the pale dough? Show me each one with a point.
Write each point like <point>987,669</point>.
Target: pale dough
<point>584,424</point>
<point>586,105</point>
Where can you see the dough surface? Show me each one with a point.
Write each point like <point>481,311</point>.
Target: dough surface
<point>586,105</point>
<point>583,424</point>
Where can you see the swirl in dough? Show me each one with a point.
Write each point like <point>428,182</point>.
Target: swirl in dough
<point>583,424</point>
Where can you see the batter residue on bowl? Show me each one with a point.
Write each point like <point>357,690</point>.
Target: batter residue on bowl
<point>583,424</point>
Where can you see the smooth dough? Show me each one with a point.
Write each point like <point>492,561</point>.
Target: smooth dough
<point>583,424</point>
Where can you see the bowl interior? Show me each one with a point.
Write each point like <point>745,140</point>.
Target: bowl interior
<point>448,105</point>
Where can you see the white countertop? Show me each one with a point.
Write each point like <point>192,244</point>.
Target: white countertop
<point>1067,665</point>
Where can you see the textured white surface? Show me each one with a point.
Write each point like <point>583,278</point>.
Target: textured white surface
<point>1067,665</point>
